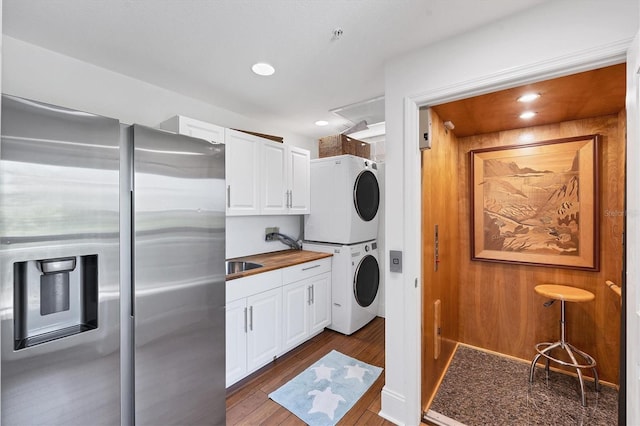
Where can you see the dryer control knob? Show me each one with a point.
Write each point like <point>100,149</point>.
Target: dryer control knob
<point>366,247</point>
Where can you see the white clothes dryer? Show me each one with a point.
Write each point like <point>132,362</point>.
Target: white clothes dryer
<point>355,277</point>
<point>345,197</point>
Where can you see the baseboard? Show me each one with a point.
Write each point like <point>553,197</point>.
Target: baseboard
<point>440,379</point>
<point>393,406</point>
<point>433,417</point>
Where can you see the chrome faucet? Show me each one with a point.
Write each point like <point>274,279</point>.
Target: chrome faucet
<point>285,239</point>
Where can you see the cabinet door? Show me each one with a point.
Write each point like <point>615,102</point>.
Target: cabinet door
<point>320,309</point>
<point>296,299</point>
<point>242,172</point>
<point>196,128</point>
<point>265,328</point>
<point>236,340</point>
<point>299,181</point>
<point>274,196</point>
<point>202,130</point>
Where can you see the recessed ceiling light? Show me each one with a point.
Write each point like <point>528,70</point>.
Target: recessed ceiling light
<point>528,97</point>
<point>262,68</point>
<point>321,123</point>
<point>528,114</point>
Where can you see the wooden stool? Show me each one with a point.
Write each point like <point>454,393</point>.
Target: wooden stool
<point>564,294</point>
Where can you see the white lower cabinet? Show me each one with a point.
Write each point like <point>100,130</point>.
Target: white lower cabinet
<point>270,313</point>
<point>263,335</point>
<point>253,323</point>
<point>306,309</point>
<point>236,340</point>
<point>320,312</point>
<point>306,300</point>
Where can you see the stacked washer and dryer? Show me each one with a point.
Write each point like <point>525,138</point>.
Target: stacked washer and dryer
<point>345,197</point>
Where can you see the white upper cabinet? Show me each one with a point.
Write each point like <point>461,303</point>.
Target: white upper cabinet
<point>299,176</point>
<point>285,179</point>
<point>274,183</point>
<point>196,128</point>
<point>242,173</point>
<point>263,177</point>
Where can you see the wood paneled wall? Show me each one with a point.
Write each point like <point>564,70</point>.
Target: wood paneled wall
<point>498,308</point>
<point>440,206</point>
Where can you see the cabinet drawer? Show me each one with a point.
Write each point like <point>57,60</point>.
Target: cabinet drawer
<point>305,270</point>
<point>253,284</point>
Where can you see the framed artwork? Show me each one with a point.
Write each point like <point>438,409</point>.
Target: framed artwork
<point>537,204</point>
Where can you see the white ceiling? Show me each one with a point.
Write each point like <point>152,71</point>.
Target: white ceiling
<point>205,48</point>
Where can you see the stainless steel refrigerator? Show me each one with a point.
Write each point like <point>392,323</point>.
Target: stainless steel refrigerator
<point>112,271</point>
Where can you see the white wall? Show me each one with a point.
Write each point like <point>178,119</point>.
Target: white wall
<point>631,285</point>
<point>245,234</point>
<point>36,73</point>
<point>1,56</point>
<point>382,258</point>
<point>554,38</point>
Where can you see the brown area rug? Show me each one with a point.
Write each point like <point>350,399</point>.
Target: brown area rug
<point>480,388</point>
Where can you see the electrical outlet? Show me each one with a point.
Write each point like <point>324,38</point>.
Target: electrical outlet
<point>268,231</point>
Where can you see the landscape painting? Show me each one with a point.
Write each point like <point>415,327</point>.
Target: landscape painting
<point>537,203</point>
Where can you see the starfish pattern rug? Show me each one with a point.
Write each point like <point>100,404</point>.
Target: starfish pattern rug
<point>325,391</point>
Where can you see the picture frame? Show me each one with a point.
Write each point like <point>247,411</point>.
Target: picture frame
<point>537,204</point>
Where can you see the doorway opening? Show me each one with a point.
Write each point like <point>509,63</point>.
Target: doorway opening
<point>492,305</point>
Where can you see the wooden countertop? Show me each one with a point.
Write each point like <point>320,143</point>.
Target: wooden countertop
<point>276,260</point>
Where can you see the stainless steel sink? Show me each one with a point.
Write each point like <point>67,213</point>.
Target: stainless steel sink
<point>239,266</point>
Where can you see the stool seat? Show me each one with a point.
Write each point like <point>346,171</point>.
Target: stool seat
<point>564,292</point>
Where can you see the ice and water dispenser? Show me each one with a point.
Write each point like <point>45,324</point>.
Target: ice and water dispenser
<point>54,298</point>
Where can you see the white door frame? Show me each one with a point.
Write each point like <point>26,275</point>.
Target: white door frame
<point>630,289</point>
<point>601,56</point>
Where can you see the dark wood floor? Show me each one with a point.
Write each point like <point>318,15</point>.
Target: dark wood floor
<point>248,403</point>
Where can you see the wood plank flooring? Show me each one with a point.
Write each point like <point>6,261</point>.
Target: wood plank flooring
<point>248,403</point>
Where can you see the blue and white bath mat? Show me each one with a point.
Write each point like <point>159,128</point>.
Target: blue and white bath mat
<point>324,392</point>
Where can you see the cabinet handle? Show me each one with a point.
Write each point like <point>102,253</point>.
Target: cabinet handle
<point>228,195</point>
<point>311,267</point>
<point>245,320</point>
<point>251,318</point>
<point>309,295</point>
<point>288,198</point>
<point>313,294</point>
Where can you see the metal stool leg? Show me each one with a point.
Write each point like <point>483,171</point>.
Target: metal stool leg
<point>590,360</point>
<point>569,349</point>
<point>537,357</point>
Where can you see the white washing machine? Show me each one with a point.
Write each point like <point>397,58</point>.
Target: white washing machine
<point>355,277</point>
<point>345,197</point>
